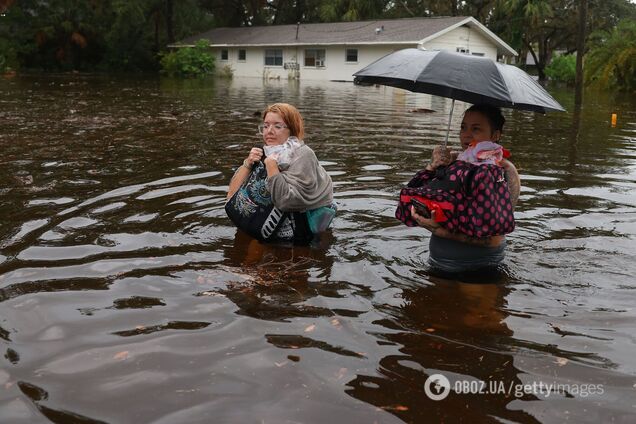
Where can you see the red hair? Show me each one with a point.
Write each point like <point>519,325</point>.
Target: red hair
<point>291,117</point>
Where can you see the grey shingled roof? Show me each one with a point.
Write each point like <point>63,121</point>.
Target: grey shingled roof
<point>395,31</point>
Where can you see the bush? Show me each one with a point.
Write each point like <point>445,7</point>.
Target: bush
<point>189,61</point>
<point>8,57</point>
<point>562,68</point>
<point>226,72</point>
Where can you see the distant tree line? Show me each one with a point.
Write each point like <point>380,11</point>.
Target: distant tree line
<point>119,35</point>
<point>129,35</point>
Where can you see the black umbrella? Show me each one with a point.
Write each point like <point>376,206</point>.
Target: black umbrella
<point>458,76</point>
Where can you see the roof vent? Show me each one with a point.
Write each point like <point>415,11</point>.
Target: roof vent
<point>379,30</point>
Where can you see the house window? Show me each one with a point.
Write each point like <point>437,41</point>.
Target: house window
<point>242,54</point>
<point>273,57</point>
<point>477,54</point>
<point>351,55</point>
<point>315,57</point>
<point>462,50</point>
<point>224,54</point>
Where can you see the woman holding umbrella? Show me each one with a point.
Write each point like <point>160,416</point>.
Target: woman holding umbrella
<point>472,201</point>
<point>476,80</point>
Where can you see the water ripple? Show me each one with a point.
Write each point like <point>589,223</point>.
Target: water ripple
<point>126,291</point>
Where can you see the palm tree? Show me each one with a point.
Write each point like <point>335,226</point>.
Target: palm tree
<point>611,61</point>
<point>529,18</point>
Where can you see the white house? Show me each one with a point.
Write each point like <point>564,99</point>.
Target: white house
<point>334,51</point>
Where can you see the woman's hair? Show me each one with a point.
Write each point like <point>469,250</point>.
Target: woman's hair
<point>291,116</point>
<point>492,113</point>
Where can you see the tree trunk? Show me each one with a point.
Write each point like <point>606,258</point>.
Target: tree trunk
<point>523,55</point>
<point>155,18</point>
<point>537,61</point>
<point>454,8</point>
<point>300,10</point>
<point>580,51</point>
<point>545,54</point>
<point>169,20</point>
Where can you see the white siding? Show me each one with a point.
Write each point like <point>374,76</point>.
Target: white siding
<point>252,66</point>
<point>336,67</point>
<point>466,38</point>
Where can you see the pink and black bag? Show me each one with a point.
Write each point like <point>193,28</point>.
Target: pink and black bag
<point>474,199</point>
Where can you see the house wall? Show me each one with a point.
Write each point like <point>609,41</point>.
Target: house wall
<point>464,37</point>
<point>336,67</point>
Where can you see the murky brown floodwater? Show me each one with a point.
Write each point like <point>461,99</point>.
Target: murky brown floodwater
<point>127,296</point>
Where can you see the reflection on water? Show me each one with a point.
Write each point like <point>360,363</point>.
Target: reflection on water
<point>127,293</point>
<point>454,328</point>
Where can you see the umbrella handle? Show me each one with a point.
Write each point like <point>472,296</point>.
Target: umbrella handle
<point>450,116</point>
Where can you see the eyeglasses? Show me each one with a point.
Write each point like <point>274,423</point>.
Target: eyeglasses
<point>265,127</point>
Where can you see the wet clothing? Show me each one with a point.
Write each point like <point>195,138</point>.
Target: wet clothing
<point>276,209</point>
<point>303,185</point>
<point>456,257</point>
<point>487,152</point>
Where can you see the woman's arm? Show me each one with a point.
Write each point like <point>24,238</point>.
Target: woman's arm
<point>271,165</point>
<point>439,231</point>
<point>304,185</point>
<point>491,196</point>
<point>513,180</point>
<point>441,157</point>
<point>238,179</point>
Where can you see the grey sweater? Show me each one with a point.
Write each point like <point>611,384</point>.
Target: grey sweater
<point>303,186</point>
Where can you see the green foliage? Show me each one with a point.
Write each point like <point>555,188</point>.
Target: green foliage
<point>189,61</point>
<point>350,10</point>
<point>129,35</point>
<point>562,68</point>
<point>611,61</point>
<point>8,56</point>
<point>543,26</point>
<point>129,47</point>
<point>226,72</point>
<point>107,34</point>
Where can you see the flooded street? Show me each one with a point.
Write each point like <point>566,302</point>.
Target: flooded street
<point>126,295</point>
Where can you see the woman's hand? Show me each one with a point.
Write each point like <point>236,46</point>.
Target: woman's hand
<point>272,159</point>
<point>243,171</point>
<point>441,157</point>
<point>254,156</point>
<point>428,223</point>
<point>431,225</point>
<point>271,165</point>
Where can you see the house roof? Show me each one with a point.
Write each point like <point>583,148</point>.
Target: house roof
<point>382,31</point>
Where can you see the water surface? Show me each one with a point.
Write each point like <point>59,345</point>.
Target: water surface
<point>127,295</point>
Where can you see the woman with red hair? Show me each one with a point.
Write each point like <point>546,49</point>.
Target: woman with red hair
<point>281,192</point>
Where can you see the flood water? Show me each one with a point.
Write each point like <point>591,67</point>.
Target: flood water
<point>126,295</point>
